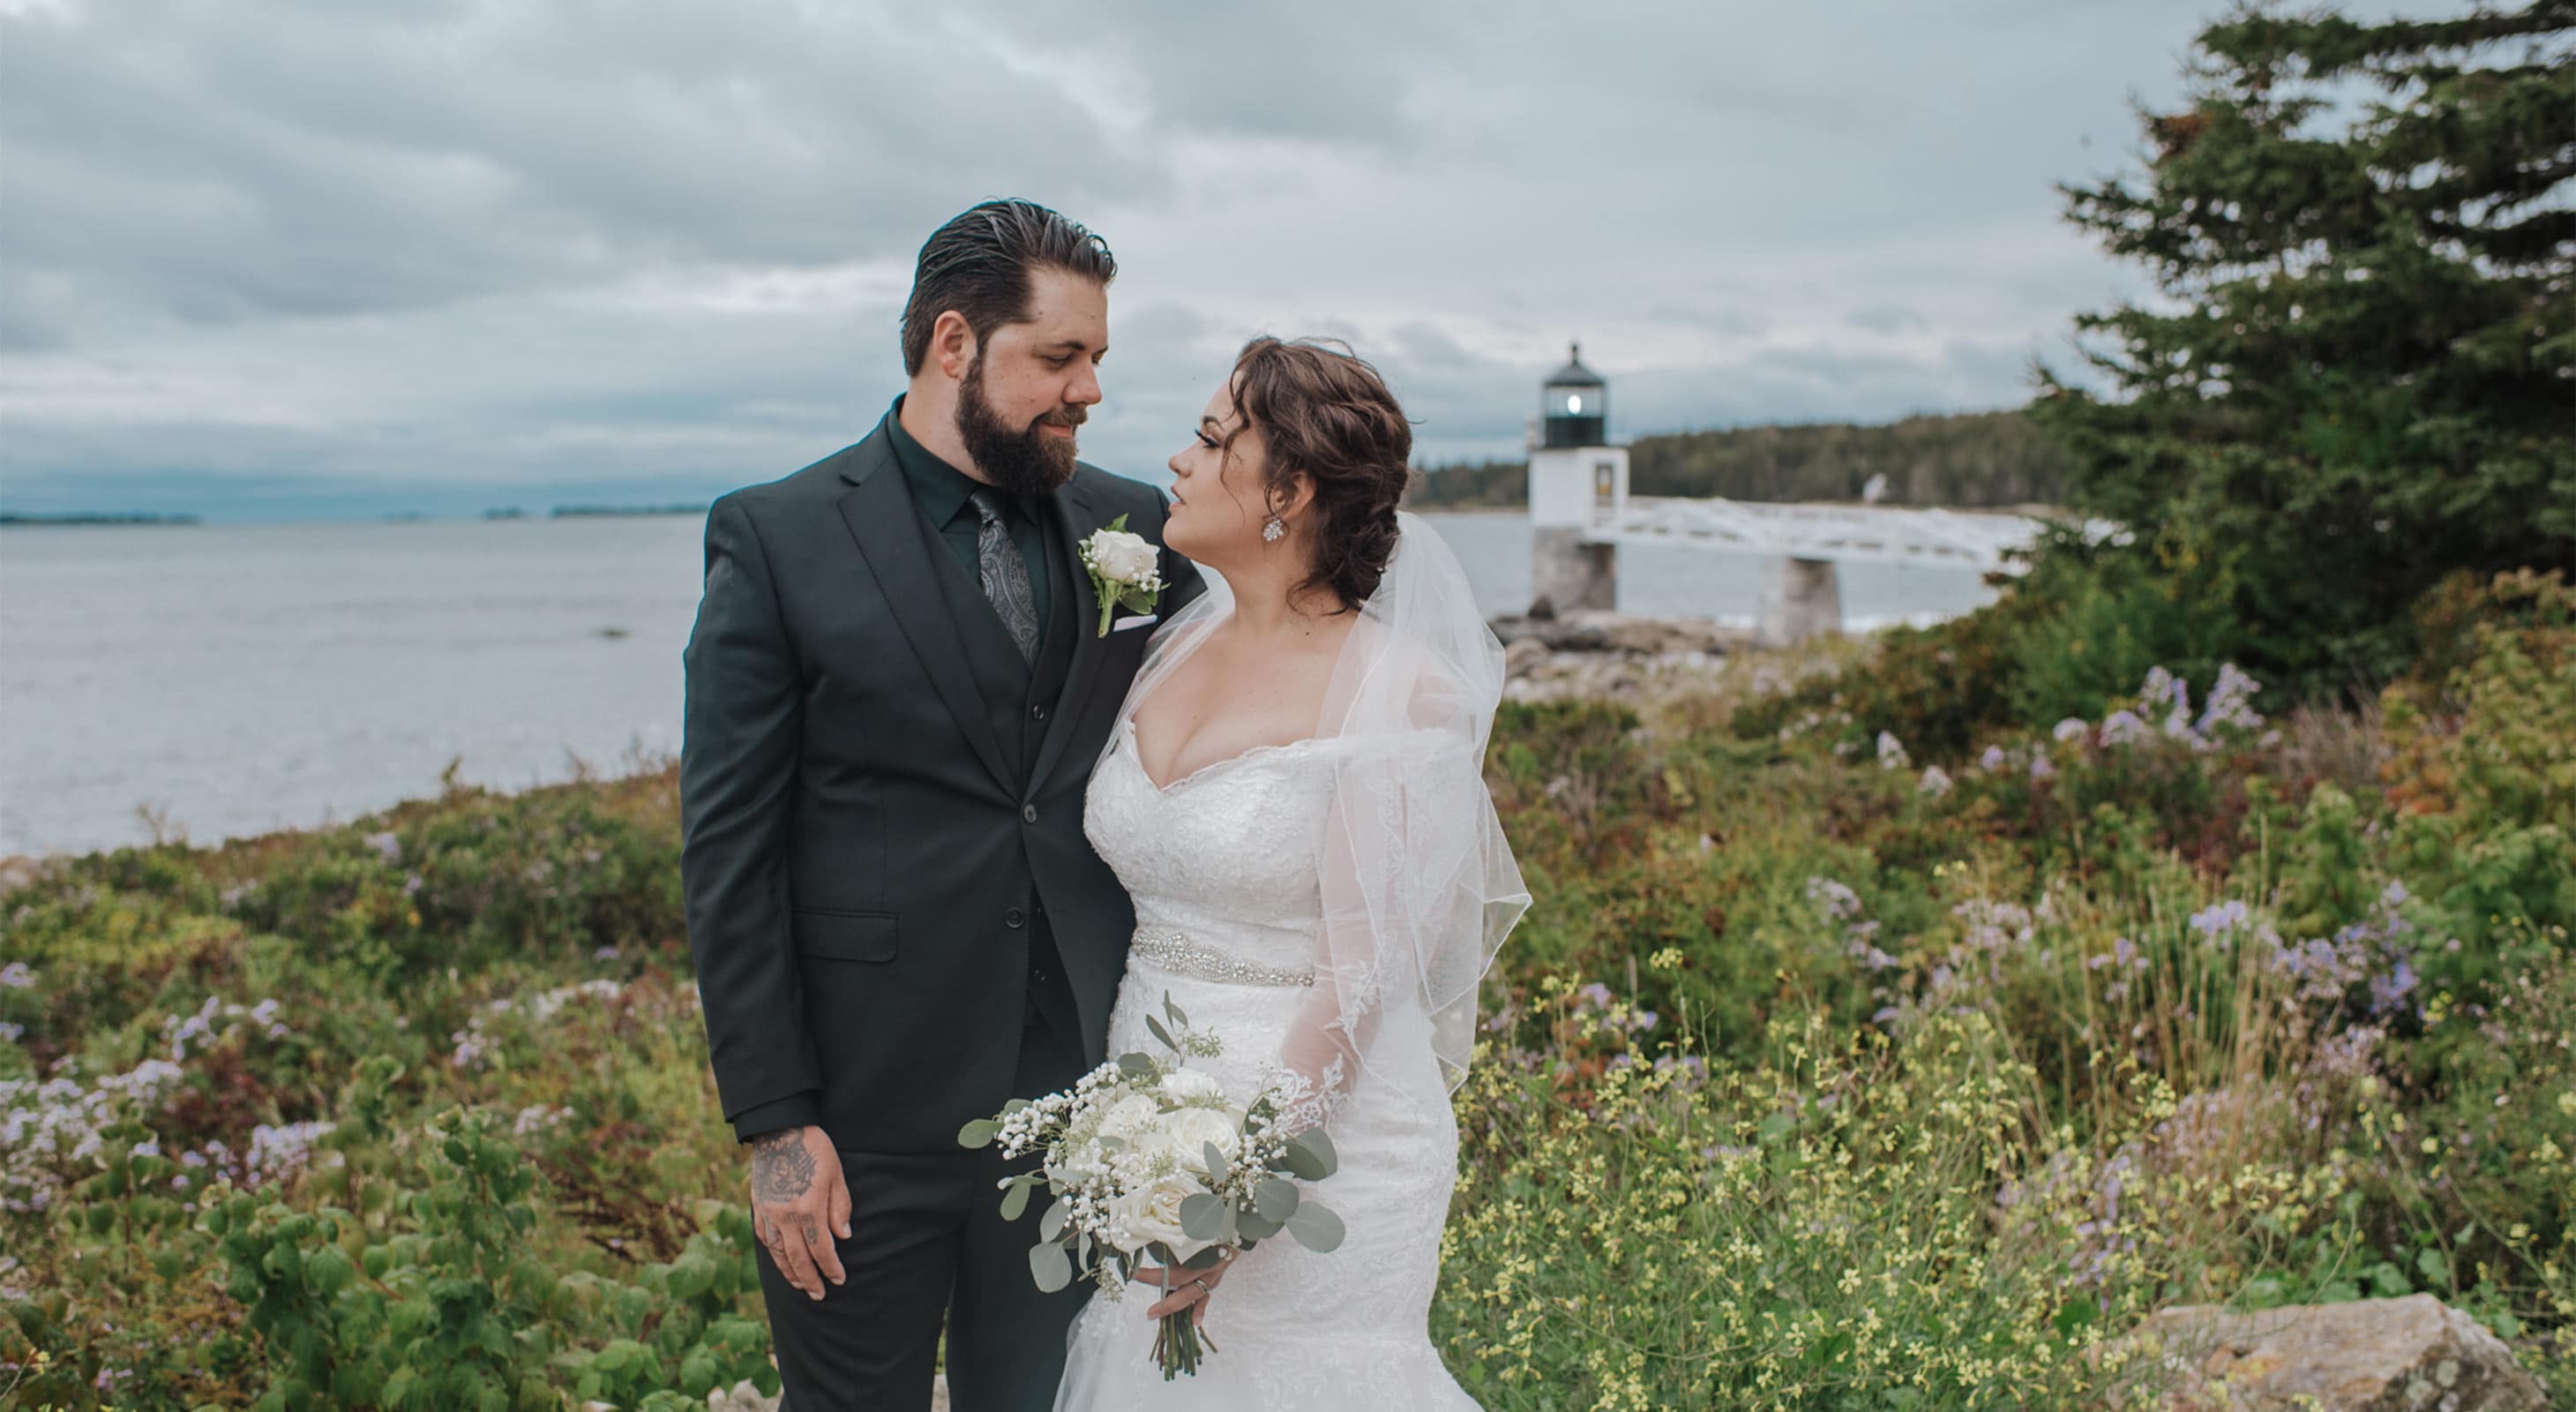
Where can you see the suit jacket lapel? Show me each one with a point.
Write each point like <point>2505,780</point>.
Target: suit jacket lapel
<point>879,512</point>
<point>1075,516</point>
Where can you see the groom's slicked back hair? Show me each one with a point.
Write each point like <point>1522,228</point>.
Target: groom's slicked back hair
<point>978,264</point>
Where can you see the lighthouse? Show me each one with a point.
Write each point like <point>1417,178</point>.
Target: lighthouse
<point>1577,482</point>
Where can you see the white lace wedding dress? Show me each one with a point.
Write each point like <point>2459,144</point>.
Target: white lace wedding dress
<point>1223,865</point>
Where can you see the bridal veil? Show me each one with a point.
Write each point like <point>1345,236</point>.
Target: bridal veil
<point>1417,884</point>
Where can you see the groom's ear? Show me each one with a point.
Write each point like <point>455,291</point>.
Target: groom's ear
<point>952,344</point>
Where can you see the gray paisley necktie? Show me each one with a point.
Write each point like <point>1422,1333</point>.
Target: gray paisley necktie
<point>1005,574</point>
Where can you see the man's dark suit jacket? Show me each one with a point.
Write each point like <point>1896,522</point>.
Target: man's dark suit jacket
<point>870,838</point>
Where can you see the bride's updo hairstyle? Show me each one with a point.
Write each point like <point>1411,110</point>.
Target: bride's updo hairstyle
<point>1325,413</point>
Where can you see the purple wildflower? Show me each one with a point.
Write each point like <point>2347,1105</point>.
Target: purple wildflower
<point>2123,728</point>
<point>2230,702</point>
<point>2226,916</point>
<point>2389,991</point>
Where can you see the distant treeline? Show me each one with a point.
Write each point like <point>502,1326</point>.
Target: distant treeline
<point>1977,459</point>
<point>97,519</point>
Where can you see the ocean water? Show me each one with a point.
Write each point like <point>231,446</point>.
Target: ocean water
<point>217,681</point>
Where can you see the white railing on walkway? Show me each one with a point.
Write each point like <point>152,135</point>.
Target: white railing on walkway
<point>1959,539</point>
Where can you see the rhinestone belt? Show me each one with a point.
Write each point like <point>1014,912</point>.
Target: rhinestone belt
<point>1174,951</point>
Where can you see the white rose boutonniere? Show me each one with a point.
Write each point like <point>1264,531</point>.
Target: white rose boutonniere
<point>1125,571</point>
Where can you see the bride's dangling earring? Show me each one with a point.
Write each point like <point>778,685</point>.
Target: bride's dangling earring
<point>1273,529</point>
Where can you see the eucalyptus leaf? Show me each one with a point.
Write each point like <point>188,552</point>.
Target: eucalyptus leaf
<point>978,1133</point>
<point>1014,1106</point>
<point>1276,1200</point>
<point>1206,1259</point>
<point>1173,1010</point>
<point>1051,1225</point>
<point>1315,1228</point>
<point>1136,1066</point>
<point>1218,1169</point>
<point>1321,1144</point>
<point>1304,1160</point>
<point>1048,1266</point>
<point>1015,1201</point>
<point>1252,1226</point>
<point>1202,1217</point>
<point>1156,1027</point>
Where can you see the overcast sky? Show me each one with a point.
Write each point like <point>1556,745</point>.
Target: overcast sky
<point>280,258</point>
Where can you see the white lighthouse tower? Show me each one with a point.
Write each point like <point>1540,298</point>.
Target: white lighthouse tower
<point>1577,480</point>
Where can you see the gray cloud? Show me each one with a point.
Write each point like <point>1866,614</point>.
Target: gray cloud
<point>490,243</point>
<point>180,159</point>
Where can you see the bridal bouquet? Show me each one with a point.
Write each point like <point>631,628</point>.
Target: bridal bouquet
<point>1145,1157</point>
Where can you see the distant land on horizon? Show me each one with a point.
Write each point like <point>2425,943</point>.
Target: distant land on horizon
<point>183,497</point>
<point>99,517</point>
<point>580,512</point>
<point>1968,460</point>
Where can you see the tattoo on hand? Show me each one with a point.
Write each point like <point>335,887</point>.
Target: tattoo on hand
<point>781,1169</point>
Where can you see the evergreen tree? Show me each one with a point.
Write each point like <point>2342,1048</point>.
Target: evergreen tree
<point>2362,374</point>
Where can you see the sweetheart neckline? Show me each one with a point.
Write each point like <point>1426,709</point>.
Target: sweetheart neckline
<point>1136,756</point>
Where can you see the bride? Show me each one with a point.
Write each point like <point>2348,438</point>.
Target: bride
<point>1293,795</point>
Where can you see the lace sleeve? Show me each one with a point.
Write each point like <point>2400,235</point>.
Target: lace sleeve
<point>1401,942</point>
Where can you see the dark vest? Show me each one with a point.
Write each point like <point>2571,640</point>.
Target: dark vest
<point>1020,701</point>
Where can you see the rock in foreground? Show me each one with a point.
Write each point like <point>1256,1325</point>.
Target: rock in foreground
<point>2414,1354</point>
<point>1590,655</point>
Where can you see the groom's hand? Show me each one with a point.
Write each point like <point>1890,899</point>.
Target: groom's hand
<point>798,1203</point>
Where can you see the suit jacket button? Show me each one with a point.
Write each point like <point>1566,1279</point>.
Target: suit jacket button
<point>1037,713</point>
<point>1014,917</point>
<point>1028,813</point>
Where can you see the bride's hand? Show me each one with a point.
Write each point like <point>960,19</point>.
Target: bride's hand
<point>1190,1289</point>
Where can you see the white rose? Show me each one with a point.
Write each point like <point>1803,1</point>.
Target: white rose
<point>1190,1130</point>
<point>1151,1213</point>
<point>1184,1085</point>
<point>1130,1118</point>
<point>1122,557</point>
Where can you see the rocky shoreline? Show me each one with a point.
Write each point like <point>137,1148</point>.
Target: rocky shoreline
<point>1594,655</point>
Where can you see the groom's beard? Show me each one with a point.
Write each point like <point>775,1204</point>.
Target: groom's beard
<point>1027,462</point>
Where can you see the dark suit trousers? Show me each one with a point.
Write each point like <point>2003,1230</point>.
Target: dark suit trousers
<point>927,1237</point>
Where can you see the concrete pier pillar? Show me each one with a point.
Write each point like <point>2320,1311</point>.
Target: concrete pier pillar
<point>1568,572</point>
<point>1804,599</point>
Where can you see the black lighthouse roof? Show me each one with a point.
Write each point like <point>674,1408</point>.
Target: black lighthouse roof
<point>1574,374</point>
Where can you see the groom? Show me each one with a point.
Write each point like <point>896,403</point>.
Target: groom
<point>896,690</point>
